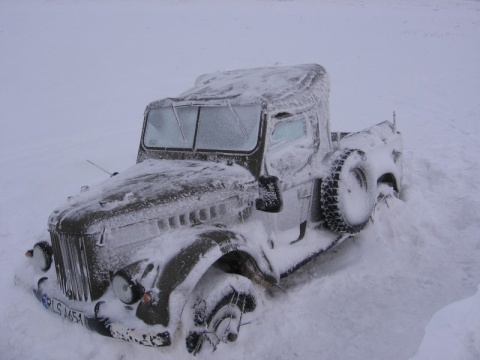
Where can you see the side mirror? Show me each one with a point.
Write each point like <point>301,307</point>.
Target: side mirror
<point>270,199</point>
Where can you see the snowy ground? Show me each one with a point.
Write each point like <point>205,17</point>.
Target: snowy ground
<point>74,80</point>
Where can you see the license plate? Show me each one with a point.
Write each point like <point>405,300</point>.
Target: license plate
<point>63,310</point>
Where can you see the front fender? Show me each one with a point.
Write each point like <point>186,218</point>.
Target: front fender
<point>181,273</point>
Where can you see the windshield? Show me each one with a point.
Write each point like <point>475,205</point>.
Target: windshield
<point>229,128</point>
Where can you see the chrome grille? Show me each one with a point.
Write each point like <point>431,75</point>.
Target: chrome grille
<point>71,265</point>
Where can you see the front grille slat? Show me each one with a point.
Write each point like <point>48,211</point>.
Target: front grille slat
<point>72,273</point>
<point>83,269</point>
<point>58,258</point>
<point>71,265</point>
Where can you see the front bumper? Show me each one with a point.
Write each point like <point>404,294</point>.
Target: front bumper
<point>100,316</point>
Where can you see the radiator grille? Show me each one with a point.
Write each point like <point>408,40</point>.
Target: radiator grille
<point>71,265</point>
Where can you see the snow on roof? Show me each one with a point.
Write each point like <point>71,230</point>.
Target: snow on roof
<point>279,87</point>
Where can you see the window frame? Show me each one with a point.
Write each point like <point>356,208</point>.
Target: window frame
<point>194,148</point>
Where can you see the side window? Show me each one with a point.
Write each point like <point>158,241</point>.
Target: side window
<point>290,147</point>
<point>286,132</point>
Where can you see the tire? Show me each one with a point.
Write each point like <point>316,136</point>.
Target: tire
<point>218,305</point>
<point>347,195</point>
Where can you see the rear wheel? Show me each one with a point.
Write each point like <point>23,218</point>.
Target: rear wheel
<point>216,310</point>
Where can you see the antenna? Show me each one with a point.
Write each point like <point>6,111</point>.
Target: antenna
<point>98,167</point>
<point>394,120</point>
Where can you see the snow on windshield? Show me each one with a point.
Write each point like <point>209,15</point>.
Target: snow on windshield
<point>230,128</point>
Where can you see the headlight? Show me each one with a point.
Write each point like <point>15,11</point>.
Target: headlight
<point>126,289</point>
<point>42,255</point>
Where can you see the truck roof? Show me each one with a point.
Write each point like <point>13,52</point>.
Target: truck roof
<point>278,87</point>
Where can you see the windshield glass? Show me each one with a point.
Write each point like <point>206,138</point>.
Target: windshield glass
<point>229,128</point>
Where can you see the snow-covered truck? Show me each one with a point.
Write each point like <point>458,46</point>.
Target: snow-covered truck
<point>238,183</point>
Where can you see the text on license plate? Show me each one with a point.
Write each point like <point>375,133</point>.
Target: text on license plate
<point>63,310</point>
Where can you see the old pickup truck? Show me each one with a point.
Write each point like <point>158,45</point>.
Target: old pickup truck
<point>238,183</point>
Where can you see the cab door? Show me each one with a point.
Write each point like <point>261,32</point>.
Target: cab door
<point>289,157</point>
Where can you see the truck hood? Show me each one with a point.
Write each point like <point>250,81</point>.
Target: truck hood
<point>149,190</point>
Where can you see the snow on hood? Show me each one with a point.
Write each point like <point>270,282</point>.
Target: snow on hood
<point>153,188</point>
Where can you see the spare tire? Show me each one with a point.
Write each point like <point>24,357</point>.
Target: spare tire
<point>347,195</point>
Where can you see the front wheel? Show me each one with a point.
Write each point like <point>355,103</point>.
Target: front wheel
<point>216,310</point>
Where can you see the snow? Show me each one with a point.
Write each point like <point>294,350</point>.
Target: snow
<point>280,87</point>
<point>131,196</point>
<point>74,81</point>
<point>453,332</point>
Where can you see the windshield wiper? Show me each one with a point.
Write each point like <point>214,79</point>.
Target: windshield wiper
<point>178,122</point>
<point>237,119</point>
